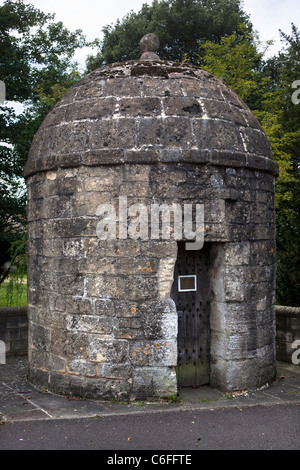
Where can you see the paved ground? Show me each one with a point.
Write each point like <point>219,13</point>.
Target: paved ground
<point>204,418</point>
<point>273,427</point>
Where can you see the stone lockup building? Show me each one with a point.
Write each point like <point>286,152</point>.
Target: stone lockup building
<point>130,172</point>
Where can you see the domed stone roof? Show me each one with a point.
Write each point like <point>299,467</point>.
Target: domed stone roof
<point>150,111</point>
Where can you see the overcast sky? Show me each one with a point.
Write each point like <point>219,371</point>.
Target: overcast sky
<point>267,16</point>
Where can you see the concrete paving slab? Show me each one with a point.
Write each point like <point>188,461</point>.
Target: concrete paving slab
<point>21,401</point>
<point>200,394</point>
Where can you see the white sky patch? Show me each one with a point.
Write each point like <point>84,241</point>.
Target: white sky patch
<point>267,16</point>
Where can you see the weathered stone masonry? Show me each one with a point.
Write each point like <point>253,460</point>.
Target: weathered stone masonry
<point>101,319</point>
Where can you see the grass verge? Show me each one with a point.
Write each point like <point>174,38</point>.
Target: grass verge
<point>19,299</point>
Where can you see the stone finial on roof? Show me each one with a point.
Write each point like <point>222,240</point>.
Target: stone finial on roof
<point>149,44</point>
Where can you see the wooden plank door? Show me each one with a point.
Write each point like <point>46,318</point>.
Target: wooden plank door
<point>193,316</point>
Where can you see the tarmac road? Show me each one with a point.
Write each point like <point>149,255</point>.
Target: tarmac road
<point>270,427</point>
<point>203,418</point>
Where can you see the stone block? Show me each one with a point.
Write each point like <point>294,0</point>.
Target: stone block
<point>102,350</point>
<point>89,324</point>
<point>38,358</point>
<point>57,115</point>
<point>79,305</point>
<point>69,160</point>
<point>247,374</point>
<point>72,247</point>
<point>105,388</point>
<point>99,108</point>
<point>159,249</point>
<point>55,363</point>
<point>39,337</point>
<point>205,89</point>
<point>154,382</point>
<point>117,86</point>
<point>257,291</point>
<point>214,212</point>
<point>129,328</point>
<point>64,344</point>
<point>104,307</point>
<point>169,326</point>
<point>73,135</point>
<point>234,284</point>
<point>214,134</point>
<point>176,132</point>
<point>65,384</point>
<point>166,277</point>
<point>35,246</point>
<point>258,273</point>
<point>237,254</point>
<point>82,368</point>
<point>139,287</point>
<point>76,227</point>
<point>182,106</point>
<point>165,174</point>
<point>67,284</point>
<point>256,142</point>
<point>153,353</point>
<point>97,265</point>
<point>160,87</point>
<point>132,107</point>
<point>223,110</point>
<point>113,134</point>
<point>237,213</point>
<point>105,286</point>
<point>45,315</point>
<point>130,189</point>
<point>136,265</point>
<point>114,371</point>
<point>66,184</point>
<point>103,157</point>
<point>38,376</point>
<point>135,173</point>
<point>142,155</point>
<point>170,131</point>
<point>104,181</point>
<point>86,204</point>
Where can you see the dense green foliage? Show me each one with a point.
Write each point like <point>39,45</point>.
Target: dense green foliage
<point>287,150</point>
<point>266,86</point>
<point>36,67</point>
<point>179,24</point>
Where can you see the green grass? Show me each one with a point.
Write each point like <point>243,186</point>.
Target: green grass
<point>18,300</point>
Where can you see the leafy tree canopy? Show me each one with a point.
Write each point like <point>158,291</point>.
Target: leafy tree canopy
<point>266,86</point>
<point>179,24</point>
<point>36,67</point>
<point>287,135</point>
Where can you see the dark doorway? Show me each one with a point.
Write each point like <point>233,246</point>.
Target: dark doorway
<point>190,291</point>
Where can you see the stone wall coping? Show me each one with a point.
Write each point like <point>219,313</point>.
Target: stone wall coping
<point>287,311</point>
<point>11,311</point>
<point>110,158</point>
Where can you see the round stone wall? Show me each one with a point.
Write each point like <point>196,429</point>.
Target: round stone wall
<point>102,322</point>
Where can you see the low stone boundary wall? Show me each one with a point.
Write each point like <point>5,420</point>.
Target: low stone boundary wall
<point>287,332</point>
<point>14,330</point>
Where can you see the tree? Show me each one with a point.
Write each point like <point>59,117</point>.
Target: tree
<point>287,71</point>
<point>237,61</point>
<point>179,24</point>
<point>266,87</point>
<point>36,66</point>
